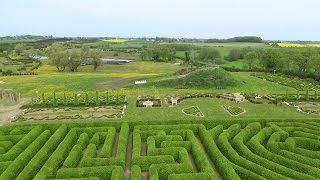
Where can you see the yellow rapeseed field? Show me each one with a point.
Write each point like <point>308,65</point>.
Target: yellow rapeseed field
<point>285,44</point>
<point>115,40</point>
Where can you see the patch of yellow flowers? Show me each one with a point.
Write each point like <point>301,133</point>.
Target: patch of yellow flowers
<point>115,40</point>
<point>292,45</point>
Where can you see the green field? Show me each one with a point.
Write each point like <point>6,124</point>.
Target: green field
<point>90,124</point>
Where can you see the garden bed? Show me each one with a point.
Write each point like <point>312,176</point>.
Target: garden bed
<point>234,111</point>
<point>193,111</point>
<point>77,99</point>
<point>105,112</point>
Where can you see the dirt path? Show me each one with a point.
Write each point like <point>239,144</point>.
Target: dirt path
<point>145,175</point>
<point>119,82</point>
<point>127,172</point>
<point>6,112</point>
<point>218,176</point>
<point>115,145</point>
<point>194,167</point>
<point>143,149</point>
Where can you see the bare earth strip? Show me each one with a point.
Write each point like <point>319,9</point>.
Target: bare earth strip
<point>218,176</point>
<point>127,172</point>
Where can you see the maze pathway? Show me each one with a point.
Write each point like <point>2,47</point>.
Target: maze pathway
<point>272,150</point>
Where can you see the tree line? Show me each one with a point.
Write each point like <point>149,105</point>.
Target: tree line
<point>62,58</point>
<point>158,53</point>
<point>250,39</point>
<point>295,61</point>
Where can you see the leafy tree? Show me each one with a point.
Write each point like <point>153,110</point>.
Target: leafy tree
<point>59,56</point>
<point>144,54</point>
<point>302,58</point>
<point>315,62</point>
<point>235,54</point>
<point>164,53</point>
<point>209,54</point>
<point>251,60</point>
<point>187,56</point>
<point>171,54</point>
<point>32,53</point>
<point>96,55</point>
<point>75,58</point>
<point>19,49</point>
<point>272,59</point>
<point>155,53</point>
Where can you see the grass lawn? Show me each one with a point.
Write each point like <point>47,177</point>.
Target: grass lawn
<point>50,80</point>
<point>237,64</point>
<point>212,108</point>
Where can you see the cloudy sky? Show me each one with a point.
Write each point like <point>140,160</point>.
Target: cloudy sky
<point>270,19</point>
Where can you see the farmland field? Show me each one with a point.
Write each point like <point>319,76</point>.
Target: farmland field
<point>293,45</point>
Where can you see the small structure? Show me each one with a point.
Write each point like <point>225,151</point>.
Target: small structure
<point>286,103</point>
<point>148,103</point>
<point>238,97</point>
<point>257,97</point>
<point>174,101</point>
<point>140,82</point>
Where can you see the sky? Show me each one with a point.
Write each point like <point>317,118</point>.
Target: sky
<point>269,19</point>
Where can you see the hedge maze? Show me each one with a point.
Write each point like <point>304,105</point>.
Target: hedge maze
<point>185,150</point>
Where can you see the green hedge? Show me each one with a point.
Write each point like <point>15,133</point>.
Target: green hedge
<point>45,152</point>
<point>21,145</point>
<point>223,165</point>
<point>109,172</point>
<point>56,159</point>
<point>23,159</point>
<point>289,167</point>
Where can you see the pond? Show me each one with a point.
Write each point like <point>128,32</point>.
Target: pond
<point>115,61</point>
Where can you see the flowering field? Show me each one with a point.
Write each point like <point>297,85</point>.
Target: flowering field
<point>115,40</point>
<point>292,45</point>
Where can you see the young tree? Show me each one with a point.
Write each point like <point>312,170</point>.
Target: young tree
<point>144,54</point>
<point>75,59</point>
<point>164,53</point>
<point>155,53</point>
<point>272,59</point>
<point>96,55</point>
<point>251,59</point>
<point>19,48</point>
<point>302,58</point>
<point>171,54</point>
<point>209,54</point>
<point>58,56</point>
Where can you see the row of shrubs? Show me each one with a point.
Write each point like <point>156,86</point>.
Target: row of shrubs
<point>75,99</point>
<point>164,150</point>
<point>21,145</point>
<point>19,163</point>
<point>11,73</point>
<point>287,167</point>
<point>56,159</point>
<point>66,117</point>
<point>253,152</point>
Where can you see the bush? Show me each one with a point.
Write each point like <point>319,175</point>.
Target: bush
<point>21,145</point>
<point>23,159</point>
<point>56,159</point>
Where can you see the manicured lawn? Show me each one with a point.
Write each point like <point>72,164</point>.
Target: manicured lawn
<point>237,64</point>
<point>50,80</point>
<point>212,108</point>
